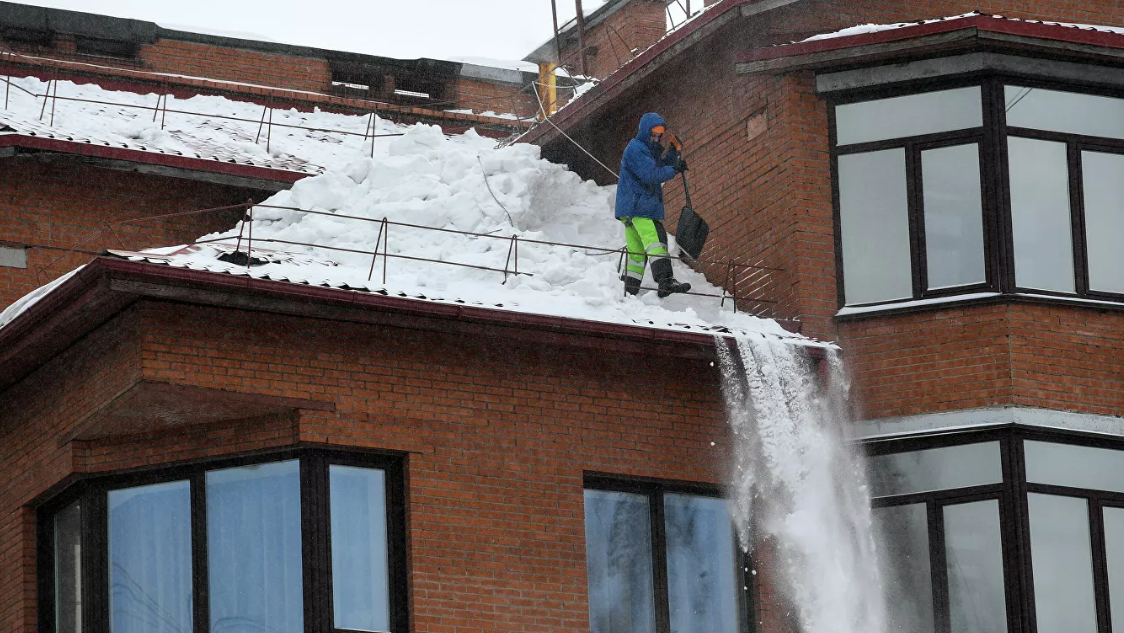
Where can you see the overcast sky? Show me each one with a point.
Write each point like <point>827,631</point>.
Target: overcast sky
<point>441,29</point>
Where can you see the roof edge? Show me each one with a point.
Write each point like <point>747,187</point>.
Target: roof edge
<point>107,285</point>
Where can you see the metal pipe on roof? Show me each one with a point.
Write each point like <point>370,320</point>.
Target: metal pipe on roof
<point>581,38</point>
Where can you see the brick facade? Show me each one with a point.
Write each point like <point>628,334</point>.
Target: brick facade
<point>613,42</point>
<point>498,434</point>
<point>59,211</point>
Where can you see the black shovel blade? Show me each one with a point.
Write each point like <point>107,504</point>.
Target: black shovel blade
<point>691,232</point>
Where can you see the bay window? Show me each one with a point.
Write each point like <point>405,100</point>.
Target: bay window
<point>1001,531</point>
<point>309,540</point>
<point>999,187</point>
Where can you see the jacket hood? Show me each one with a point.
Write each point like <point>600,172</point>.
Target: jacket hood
<point>647,122</point>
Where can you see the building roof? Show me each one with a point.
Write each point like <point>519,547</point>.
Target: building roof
<point>699,26</point>
<point>869,42</point>
<point>54,316</point>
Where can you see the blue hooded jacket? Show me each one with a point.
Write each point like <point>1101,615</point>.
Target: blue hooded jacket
<point>643,172</point>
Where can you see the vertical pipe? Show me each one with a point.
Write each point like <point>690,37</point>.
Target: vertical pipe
<point>7,89</point>
<point>54,102</point>
<point>581,38</point>
<point>557,45</point>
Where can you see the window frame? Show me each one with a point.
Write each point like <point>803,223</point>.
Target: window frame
<point>316,559</point>
<point>1014,514</point>
<point>654,490</point>
<point>999,255</point>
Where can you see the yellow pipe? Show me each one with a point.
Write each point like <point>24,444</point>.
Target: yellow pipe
<point>548,89</point>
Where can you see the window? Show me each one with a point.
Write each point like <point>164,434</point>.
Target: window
<point>662,559</point>
<point>997,531</point>
<point>236,545</point>
<point>1002,186</point>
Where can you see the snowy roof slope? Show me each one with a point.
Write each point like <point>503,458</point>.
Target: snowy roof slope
<point>204,126</point>
<point>456,208</point>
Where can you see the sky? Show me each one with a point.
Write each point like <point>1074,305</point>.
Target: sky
<point>406,29</point>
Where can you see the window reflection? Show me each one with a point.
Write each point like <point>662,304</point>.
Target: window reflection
<point>1068,112</point>
<point>1114,552</point>
<point>909,115</point>
<point>360,591</point>
<point>874,226</point>
<point>1062,563</point>
<point>904,535</point>
<point>68,569</point>
<point>619,561</point>
<point>150,559</point>
<point>935,469</point>
<point>1074,466</point>
<point>702,571</point>
<point>1103,178</point>
<point>954,242</point>
<point>974,559</point>
<point>254,548</point>
<point>1040,214</point>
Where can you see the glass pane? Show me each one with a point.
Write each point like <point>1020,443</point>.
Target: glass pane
<point>360,590</point>
<point>68,569</point>
<point>254,548</point>
<point>1074,466</point>
<point>954,243</point>
<point>618,551</point>
<point>1114,550</point>
<point>150,559</point>
<point>935,469</point>
<point>1062,562</point>
<point>1040,214</point>
<point>897,117</point>
<point>1068,112</point>
<point>903,533</point>
<point>874,224</point>
<point>974,559</point>
<point>1103,177</point>
<point>702,565</point>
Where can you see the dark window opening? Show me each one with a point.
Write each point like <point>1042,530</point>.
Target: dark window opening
<point>27,38</point>
<point>663,559</point>
<point>106,48</point>
<point>312,540</point>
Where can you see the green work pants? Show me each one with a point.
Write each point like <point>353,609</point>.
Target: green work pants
<point>644,238</point>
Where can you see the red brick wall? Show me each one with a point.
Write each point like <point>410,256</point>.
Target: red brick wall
<point>482,96</point>
<point>54,207</point>
<point>609,44</point>
<point>231,64</point>
<point>499,433</point>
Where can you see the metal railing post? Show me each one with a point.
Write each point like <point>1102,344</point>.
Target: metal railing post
<point>375,255</point>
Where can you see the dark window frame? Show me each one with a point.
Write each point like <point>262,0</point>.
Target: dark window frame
<point>315,535</point>
<point>999,255</point>
<point>654,490</point>
<point>1014,514</point>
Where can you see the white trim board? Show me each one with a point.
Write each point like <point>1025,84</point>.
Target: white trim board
<point>968,419</point>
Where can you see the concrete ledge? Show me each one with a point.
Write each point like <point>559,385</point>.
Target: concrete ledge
<point>987,417</point>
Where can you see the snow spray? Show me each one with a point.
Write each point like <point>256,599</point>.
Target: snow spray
<point>800,486</point>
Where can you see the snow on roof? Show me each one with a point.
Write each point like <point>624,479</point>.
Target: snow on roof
<point>862,29</point>
<point>204,126</point>
<point>435,189</point>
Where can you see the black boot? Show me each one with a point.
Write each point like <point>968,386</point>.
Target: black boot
<point>631,285</point>
<point>668,285</point>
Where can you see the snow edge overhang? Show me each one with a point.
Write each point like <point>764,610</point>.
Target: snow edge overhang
<point>222,172</point>
<point>941,36</point>
<point>107,285</point>
<point>645,64</point>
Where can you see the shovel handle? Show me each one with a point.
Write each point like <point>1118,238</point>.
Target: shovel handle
<point>686,189</point>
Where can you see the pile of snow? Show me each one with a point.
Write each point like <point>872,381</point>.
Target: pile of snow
<point>468,184</point>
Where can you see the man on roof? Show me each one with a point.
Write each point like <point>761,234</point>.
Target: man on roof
<point>645,166</point>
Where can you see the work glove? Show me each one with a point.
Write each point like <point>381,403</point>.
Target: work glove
<point>681,166</point>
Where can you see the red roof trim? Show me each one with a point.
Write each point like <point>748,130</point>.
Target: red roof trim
<point>579,108</point>
<point>985,23</point>
<point>151,158</point>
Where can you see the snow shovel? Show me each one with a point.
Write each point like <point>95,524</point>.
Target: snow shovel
<point>691,231</point>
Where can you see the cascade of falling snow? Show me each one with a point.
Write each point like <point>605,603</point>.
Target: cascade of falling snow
<point>799,485</point>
